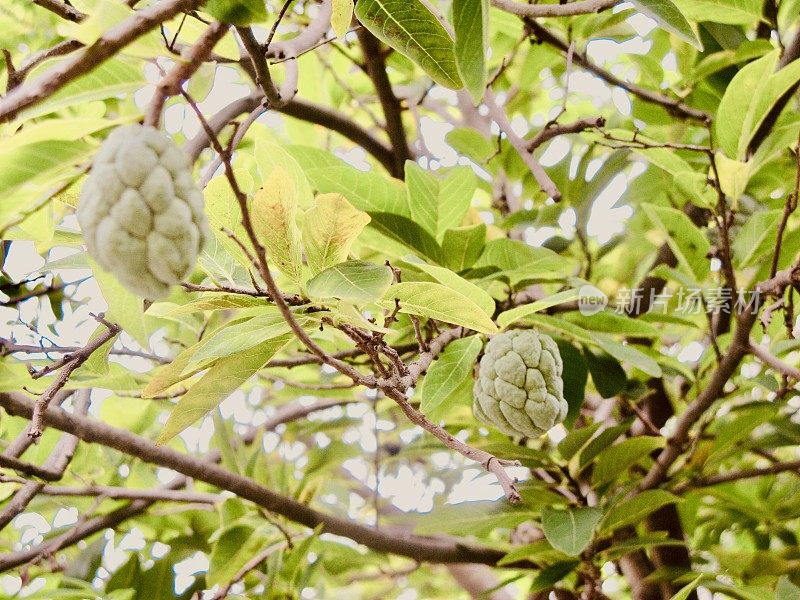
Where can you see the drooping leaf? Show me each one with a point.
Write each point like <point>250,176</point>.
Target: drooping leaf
<point>448,372</point>
<point>411,29</point>
<point>341,15</point>
<point>329,229</point>
<point>471,24</point>
<point>219,382</point>
<point>685,240</point>
<point>670,18</point>
<point>275,221</point>
<point>634,510</point>
<point>436,301</point>
<point>462,246</point>
<point>355,281</point>
<point>617,459</point>
<point>722,11</point>
<point>608,375</point>
<point>748,99</point>
<point>570,530</point>
<point>409,233</point>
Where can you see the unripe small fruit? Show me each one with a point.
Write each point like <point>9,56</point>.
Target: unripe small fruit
<point>519,389</point>
<point>141,212</point>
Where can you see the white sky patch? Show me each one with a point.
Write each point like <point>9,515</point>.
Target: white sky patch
<point>606,218</point>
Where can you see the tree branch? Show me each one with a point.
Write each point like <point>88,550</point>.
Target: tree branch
<point>439,549</point>
<point>500,117</point>
<point>392,110</point>
<point>62,9</point>
<point>671,105</point>
<point>191,58</point>
<point>581,7</point>
<point>86,61</point>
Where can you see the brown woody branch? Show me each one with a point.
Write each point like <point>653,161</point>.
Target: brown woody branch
<point>375,63</point>
<point>55,466</point>
<point>86,61</point>
<point>439,549</point>
<point>701,482</point>
<point>62,9</point>
<point>67,365</point>
<point>541,176</point>
<point>191,59</point>
<point>671,105</point>
<point>554,10</point>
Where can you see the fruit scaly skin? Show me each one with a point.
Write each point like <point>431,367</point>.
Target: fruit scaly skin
<point>141,212</point>
<point>519,389</point>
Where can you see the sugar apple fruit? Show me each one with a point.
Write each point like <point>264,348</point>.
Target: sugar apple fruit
<point>141,212</point>
<point>519,388</point>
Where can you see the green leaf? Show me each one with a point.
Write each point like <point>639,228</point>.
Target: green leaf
<point>462,246</point>
<point>733,176</point>
<point>455,282</point>
<point>685,239</point>
<point>670,17</point>
<point>574,379</point>
<point>734,12</point>
<point>231,552</point>
<point>570,531</point>
<point>329,229</point>
<point>341,16</point>
<point>275,222</point>
<point>355,281</point>
<point>112,78</point>
<point>627,353</point>
<point>686,591</point>
<point>786,590</point>
<point>613,461</point>
<point>634,510</point>
<point>439,205</point>
<point>513,315</point>
<point>368,191</point>
<point>448,372</point>
<point>39,162</point>
<point>270,156</point>
<point>550,576</point>
<point>473,518</point>
<point>471,24</point>
<point>219,382</point>
<point>408,233</point>
<point>124,308</point>
<point>756,237</point>
<point>748,99</point>
<point>608,375</point>
<point>234,338</point>
<point>237,12</point>
<point>411,29</point>
<point>436,301</point>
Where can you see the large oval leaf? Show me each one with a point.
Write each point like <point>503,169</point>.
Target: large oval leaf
<point>411,29</point>
<point>436,301</point>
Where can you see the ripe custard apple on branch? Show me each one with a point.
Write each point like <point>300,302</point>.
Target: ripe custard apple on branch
<point>519,388</point>
<point>141,212</point>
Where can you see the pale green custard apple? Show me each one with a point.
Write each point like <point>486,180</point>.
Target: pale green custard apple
<point>141,212</point>
<point>519,388</point>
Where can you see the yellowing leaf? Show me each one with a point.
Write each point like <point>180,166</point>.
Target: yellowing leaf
<point>439,302</point>
<point>733,176</point>
<point>275,221</point>
<point>341,15</point>
<point>329,229</point>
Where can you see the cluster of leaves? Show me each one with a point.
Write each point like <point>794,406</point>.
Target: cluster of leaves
<point>695,139</point>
